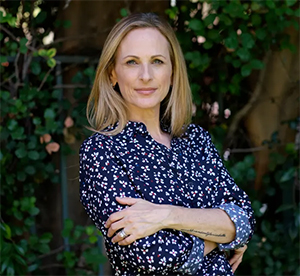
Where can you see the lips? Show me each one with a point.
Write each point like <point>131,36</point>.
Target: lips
<point>146,90</point>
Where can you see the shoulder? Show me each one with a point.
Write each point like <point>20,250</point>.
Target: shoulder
<point>98,142</point>
<point>197,134</point>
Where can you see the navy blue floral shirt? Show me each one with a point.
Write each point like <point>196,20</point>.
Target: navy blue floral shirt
<point>189,174</point>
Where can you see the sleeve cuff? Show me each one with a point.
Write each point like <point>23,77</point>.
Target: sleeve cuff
<point>194,262</point>
<point>242,226</point>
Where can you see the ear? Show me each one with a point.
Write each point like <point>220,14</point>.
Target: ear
<point>113,77</point>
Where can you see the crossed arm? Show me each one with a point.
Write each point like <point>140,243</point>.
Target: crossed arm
<point>144,218</point>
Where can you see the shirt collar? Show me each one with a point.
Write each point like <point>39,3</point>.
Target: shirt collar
<point>132,128</point>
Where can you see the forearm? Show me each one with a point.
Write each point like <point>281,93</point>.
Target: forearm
<point>208,224</point>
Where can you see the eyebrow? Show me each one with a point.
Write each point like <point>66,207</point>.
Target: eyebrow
<point>133,56</point>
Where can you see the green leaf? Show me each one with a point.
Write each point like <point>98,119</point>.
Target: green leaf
<point>2,20</point>
<point>290,3</point>
<point>69,224</point>
<point>247,40</point>
<point>34,155</point>
<point>5,262</point>
<point>18,215</point>
<point>12,21</point>
<point>49,114</point>
<point>51,52</point>
<point>289,174</point>
<point>51,62</point>
<point>256,64</point>
<point>123,12</point>
<point>41,17</point>
<point>93,239</point>
<point>43,248</point>
<point>56,94</point>
<point>30,170</point>
<point>213,34</point>
<point>21,152</point>
<point>35,68</point>
<point>226,19</point>
<point>67,24</point>
<point>246,70</point>
<point>196,24</point>
<point>5,95</point>
<point>23,41</point>
<point>270,4</point>
<point>12,124</point>
<point>297,12</point>
<point>261,34</point>
<point>243,54</point>
<point>21,176</point>
<point>46,238</point>
<point>255,6</point>
<point>3,59</point>
<point>32,267</point>
<point>7,231</point>
<point>90,230</point>
<point>284,207</point>
<point>42,52</point>
<point>19,249</point>
<point>208,20</point>
<point>256,19</point>
<point>20,260</point>
<point>207,44</point>
<point>34,211</point>
<point>231,42</point>
<point>37,121</point>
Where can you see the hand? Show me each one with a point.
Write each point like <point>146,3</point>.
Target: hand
<point>141,219</point>
<point>209,246</point>
<point>237,257</point>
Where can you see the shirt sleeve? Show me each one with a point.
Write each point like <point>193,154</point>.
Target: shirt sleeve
<point>102,179</point>
<point>230,198</point>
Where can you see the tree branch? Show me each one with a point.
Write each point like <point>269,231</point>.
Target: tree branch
<point>244,111</point>
<point>57,250</point>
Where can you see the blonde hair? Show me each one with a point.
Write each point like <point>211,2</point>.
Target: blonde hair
<point>106,107</point>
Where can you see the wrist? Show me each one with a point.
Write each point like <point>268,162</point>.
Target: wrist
<point>171,216</point>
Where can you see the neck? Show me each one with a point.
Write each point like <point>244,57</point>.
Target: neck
<point>151,119</point>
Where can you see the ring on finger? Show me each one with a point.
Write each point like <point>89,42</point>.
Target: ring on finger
<point>122,234</point>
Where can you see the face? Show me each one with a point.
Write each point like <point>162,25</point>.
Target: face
<point>143,70</point>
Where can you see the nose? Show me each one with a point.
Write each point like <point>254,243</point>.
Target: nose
<point>146,73</point>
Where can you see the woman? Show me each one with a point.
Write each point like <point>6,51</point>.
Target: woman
<point>151,182</point>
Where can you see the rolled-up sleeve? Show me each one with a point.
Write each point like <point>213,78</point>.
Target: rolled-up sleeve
<point>230,198</point>
<point>102,179</point>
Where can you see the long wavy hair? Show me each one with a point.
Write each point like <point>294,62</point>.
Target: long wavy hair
<point>106,107</point>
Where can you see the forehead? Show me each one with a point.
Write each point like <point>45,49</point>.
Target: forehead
<point>144,41</point>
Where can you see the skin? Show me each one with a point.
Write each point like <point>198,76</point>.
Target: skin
<point>144,75</point>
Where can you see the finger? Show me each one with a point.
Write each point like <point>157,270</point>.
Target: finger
<point>236,264</point>
<point>127,200</point>
<point>234,258</point>
<point>118,238</point>
<point>115,217</point>
<point>128,240</point>
<point>114,227</point>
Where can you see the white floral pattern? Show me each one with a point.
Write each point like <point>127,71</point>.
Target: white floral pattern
<point>189,174</point>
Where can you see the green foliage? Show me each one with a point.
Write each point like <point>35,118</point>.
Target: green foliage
<point>91,255</point>
<point>225,39</point>
<point>223,43</point>
<point>32,132</point>
<point>277,215</point>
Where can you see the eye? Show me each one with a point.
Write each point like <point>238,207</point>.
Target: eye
<point>157,61</point>
<point>131,62</point>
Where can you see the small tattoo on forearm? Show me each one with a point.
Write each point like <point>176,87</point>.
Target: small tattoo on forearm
<point>203,233</point>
